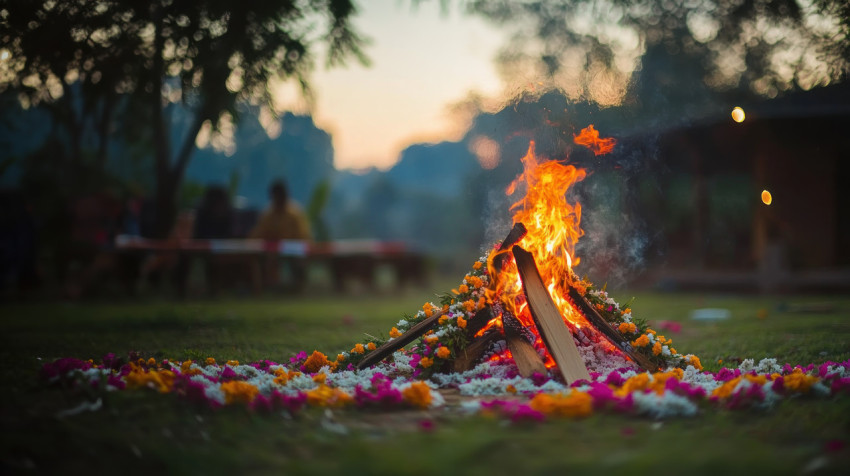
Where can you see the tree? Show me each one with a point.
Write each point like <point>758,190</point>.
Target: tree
<point>209,55</point>
<point>685,48</point>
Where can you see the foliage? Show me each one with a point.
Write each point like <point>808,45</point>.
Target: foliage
<point>208,55</point>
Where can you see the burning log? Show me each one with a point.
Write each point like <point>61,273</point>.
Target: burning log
<point>555,333</point>
<point>607,330</point>
<point>473,352</point>
<point>526,358</point>
<point>517,233</point>
<point>389,347</point>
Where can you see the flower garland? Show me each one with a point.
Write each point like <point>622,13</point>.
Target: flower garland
<point>489,388</point>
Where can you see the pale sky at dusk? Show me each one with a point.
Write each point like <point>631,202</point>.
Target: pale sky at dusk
<point>422,62</point>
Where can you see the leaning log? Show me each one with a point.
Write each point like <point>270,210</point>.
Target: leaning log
<point>607,330</point>
<point>527,360</point>
<point>473,352</point>
<point>555,333</point>
<point>393,345</point>
<point>517,233</point>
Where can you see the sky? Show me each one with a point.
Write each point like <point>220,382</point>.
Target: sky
<point>423,61</point>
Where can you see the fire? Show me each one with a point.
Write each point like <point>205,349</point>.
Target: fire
<point>553,225</point>
<point>589,137</point>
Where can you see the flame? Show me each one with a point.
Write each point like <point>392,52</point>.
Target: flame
<point>553,225</point>
<point>589,137</point>
<point>766,197</point>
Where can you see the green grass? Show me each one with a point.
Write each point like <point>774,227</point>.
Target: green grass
<point>144,432</point>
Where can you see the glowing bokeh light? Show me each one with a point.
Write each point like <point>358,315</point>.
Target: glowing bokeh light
<point>738,114</point>
<point>766,197</point>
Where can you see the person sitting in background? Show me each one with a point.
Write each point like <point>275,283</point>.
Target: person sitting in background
<point>283,220</point>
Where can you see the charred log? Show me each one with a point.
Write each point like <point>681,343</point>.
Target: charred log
<point>473,352</point>
<point>389,347</point>
<point>527,360</point>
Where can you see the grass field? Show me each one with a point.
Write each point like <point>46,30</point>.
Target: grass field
<point>145,432</point>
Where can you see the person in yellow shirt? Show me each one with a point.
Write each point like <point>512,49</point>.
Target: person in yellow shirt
<point>283,220</point>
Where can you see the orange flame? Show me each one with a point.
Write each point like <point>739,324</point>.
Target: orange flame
<point>553,226</point>
<point>589,137</point>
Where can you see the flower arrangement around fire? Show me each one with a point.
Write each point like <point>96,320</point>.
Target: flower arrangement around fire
<point>493,387</point>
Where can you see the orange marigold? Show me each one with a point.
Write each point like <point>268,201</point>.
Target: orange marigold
<point>574,404</point>
<point>417,394</point>
<point>444,353</point>
<point>426,362</point>
<point>210,361</point>
<point>316,361</point>
<point>641,341</point>
<point>461,322</point>
<point>238,391</point>
<point>371,346</point>
<point>477,265</point>
<point>358,349</point>
<point>627,328</point>
<point>799,382</point>
<point>324,396</point>
<point>395,333</point>
<point>656,348</point>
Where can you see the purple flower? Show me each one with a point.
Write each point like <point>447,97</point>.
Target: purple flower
<point>61,367</point>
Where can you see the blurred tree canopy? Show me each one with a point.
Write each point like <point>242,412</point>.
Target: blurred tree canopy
<point>92,60</point>
<point>666,51</point>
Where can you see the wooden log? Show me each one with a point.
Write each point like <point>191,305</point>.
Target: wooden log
<point>555,333</point>
<point>527,360</point>
<point>608,331</point>
<point>389,347</point>
<point>478,321</point>
<point>517,233</point>
<point>474,350</point>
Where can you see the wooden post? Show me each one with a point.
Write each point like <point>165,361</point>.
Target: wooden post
<point>555,333</point>
<point>608,331</point>
<point>527,360</point>
<point>389,347</point>
<point>473,352</point>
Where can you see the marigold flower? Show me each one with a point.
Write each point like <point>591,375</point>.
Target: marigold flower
<point>151,362</point>
<point>395,333</point>
<point>210,361</point>
<point>340,357</point>
<point>426,362</point>
<point>233,363</point>
<point>371,346</point>
<point>510,389</point>
<point>799,382</point>
<point>324,396</point>
<point>320,378</point>
<point>462,289</point>
<point>358,349</point>
<point>239,391</point>
<point>469,305</point>
<point>160,380</point>
<point>656,348</point>
<point>444,352</point>
<point>461,322</point>
<point>641,341</point>
<point>417,394</point>
<point>443,319</point>
<point>477,265</point>
<point>316,361</point>
<point>574,404</point>
<point>694,360</point>
<point>627,328</point>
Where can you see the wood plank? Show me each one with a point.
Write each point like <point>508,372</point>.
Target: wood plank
<point>469,356</point>
<point>389,347</point>
<point>555,333</point>
<point>527,360</point>
<point>514,236</point>
<point>608,331</point>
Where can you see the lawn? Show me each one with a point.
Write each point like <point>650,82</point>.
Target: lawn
<point>143,431</point>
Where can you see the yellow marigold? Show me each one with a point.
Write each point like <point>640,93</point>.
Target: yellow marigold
<point>469,305</point>
<point>358,349</point>
<point>650,331</point>
<point>371,346</point>
<point>726,389</point>
<point>395,333</point>
<point>320,378</point>
<point>443,320</point>
<point>799,382</point>
<point>431,339</point>
<point>641,341</point>
<point>428,308</point>
<point>463,289</point>
<point>656,348</point>
<point>281,379</point>
<point>151,362</point>
<point>627,310</point>
<point>673,351</point>
<point>426,362</point>
<point>238,391</point>
<point>210,361</point>
<point>477,265</point>
<point>627,328</point>
<point>444,353</point>
<point>340,358</point>
<point>324,396</point>
<point>510,389</point>
<point>185,366</point>
<point>417,394</point>
<point>659,380</point>
<point>316,361</point>
<point>461,322</point>
<point>233,363</point>
<point>574,404</point>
